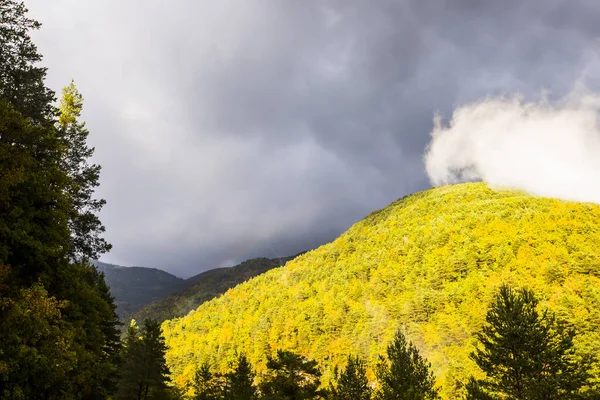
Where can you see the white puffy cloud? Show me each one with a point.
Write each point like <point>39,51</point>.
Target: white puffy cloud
<point>547,148</point>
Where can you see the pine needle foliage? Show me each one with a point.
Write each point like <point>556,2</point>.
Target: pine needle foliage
<point>525,352</point>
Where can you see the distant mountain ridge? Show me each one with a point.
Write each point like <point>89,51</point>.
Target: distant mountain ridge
<point>206,286</point>
<point>134,287</point>
<point>142,292</point>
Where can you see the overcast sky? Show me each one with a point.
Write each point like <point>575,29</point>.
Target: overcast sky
<point>232,129</point>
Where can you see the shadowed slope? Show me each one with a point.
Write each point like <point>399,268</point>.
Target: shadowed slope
<point>134,287</point>
<point>206,286</point>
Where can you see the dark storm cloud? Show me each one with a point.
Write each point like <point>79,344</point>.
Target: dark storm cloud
<point>234,129</point>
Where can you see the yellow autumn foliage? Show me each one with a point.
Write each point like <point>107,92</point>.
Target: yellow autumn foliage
<point>428,264</point>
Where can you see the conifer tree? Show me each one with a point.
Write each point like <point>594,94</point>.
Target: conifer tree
<point>53,190</point>
<point>89,294</point>
<point>38,203</point>
<point>90,309</point>
<point>291,377</point>
<point>526,354</point>
<point>35,240</point>
<point>84,224</point>
<point>404,374</point>
<point>154,358</point>
<point>239,384</point>
<point>352,382</point>
<point>109,327</point>
<point>131,383</point>
<point>34,207</point>
<point>144,372</point>
<point>21,79</point>
<point>206,385</point>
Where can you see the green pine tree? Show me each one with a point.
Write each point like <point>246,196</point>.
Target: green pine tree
<point>155,366</point>
<point>352,382</point>
<point>109,326</point>
<point>34,242</point>
<point>404,375</point>
<point>90,310</point>
<point>39,193</point>
<point>34,205</point>
<point>84,224</point>
<point>21,79</point>
<point>291,377</point>
<point>206,385</point>
<point>131,382</point>
<point>144,373</point>
<point>525,354</point>
<point>474,391</point>
<point>239,384</point>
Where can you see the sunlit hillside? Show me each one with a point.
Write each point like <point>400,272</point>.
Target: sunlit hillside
<point>428,263</point>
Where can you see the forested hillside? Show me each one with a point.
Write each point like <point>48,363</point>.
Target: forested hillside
<point>429,264</point>
<point>205,286</point>
<point>134,287</point>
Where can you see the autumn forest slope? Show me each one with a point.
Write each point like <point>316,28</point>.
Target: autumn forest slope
<point>429,264</point>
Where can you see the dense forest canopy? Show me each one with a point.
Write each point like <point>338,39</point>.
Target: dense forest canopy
<point>428,263</point>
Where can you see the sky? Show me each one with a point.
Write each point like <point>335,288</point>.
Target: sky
<point>233,129</point>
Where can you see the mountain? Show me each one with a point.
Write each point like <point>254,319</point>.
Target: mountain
<point>206,286</point>
<point>428,264</point>
<point>134,287</point>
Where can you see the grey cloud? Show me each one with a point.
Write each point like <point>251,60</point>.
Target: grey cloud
<point>234,129</point>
